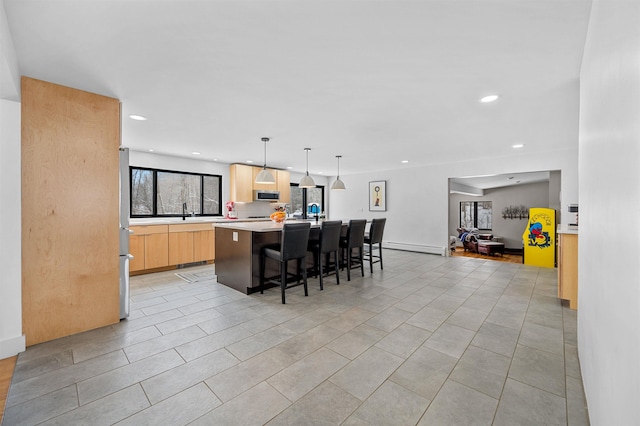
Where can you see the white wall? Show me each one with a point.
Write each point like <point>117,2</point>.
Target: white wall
<point>609,284</point>
<point>12,340</point>
<point>418,198</point>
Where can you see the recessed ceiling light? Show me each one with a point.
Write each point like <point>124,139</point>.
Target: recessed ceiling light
<point>195,153</point>
<point>215,159</point>
<point>404,161</point>
<point>489,98</point>
<point>289,167</point>
<point>137,117</point>
<point>150,150</point>
<point>518,145</point>
<point>249,161</point>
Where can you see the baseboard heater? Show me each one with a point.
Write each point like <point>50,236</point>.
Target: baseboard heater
<point>420,248</point>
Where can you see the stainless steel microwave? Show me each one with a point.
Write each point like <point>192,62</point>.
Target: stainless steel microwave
<point>262,195</point>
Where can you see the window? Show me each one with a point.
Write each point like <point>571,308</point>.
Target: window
<point>167,193</point>
<point>301,197</point>
<point>475,214</point>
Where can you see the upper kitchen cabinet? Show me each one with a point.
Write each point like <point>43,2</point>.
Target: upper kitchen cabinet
<point>242,183</point>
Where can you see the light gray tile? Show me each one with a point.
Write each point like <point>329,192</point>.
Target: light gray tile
<point>480,303</point>
<point>496,338</point>
<point>457,404</point>
<point>390,404</point>
<point>424,372</point>
<point>447,303</point>
<point>450,339</point>
<point>227,320</point>
<point>98,386</point>
<point>63,377</point>
<point>362,376</point>
<point>526,405</point>
<point>304,375</point>
<point>105,411</point>
<point>356,341</point>
<point>131,324</point>
<point>160,344</point>
<point>252,346</point>
<point>571,362</point>
<point>171,382</point>
<point>309,341</point>
<point>404,340</point>
<point>325,405</point>
<point>482,370</point>
<point>428,318</point>
<point>211,343</point>
<point>389,319</point>
<point>256,406</point>
<point>100,347</point>
<point>541,337</point>
<point>42,408</point>
<point>188,320</point>
<point>468,318</point>
<point>180,409</point>
<point>42,365</point>
<point>242,377</point>
<point>538,368</point>
<point>577,412</point>
<point>350,319</point>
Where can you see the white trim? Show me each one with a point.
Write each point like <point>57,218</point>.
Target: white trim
<point>421,248</point>
<point>13,346</point>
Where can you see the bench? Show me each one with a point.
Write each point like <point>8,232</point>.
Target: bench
<point>490,247</point>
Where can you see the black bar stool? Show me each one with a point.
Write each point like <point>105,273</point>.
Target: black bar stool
<point>329,242</point>
<point>375,237</point>
<point>353,240</point>
<point>293,246</point>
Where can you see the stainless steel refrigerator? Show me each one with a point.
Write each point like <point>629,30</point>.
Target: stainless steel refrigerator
<point>125,256</point>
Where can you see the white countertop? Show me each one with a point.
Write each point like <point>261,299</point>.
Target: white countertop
<point>566,229</point>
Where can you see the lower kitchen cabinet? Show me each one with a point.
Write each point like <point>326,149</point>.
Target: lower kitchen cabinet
<point>149,246</point>
<point>191,242</point>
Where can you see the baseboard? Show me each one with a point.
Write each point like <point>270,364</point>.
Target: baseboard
<point>420,248</point>
<point>12,347</point>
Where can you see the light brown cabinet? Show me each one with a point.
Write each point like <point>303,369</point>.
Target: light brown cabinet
<point>149,246</point>
<point>568,268</point>
<point>191,242</point>
<point>242,183</point>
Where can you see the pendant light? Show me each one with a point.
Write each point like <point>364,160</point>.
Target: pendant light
<point>306,181</point>
<point>338,185</point>
<point>265,175</point>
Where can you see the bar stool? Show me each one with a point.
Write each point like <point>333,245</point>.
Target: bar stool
<point>293,246</point>
<point>353,240</point>
<point>329,242</point>
<point>375,237</point>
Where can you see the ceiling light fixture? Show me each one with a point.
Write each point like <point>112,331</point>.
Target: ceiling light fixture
<point>195,153</point>
<point>404,161</point>
<point>265,175</point>
<point>489,98</point>
<point>137,117</point>
<point>306,181</point>
<point>518,145</point>
<point>338,185</point>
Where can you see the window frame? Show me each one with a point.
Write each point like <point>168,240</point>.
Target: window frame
<point>474,214</point>
<point>154,172</point>
<point>305,200</point>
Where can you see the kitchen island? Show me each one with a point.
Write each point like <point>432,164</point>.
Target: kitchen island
<point>238,247</point>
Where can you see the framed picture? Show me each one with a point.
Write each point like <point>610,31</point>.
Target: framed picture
<point>378,196</point>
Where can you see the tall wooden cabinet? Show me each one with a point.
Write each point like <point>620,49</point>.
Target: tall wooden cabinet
<point>568,267</point>
<point>70,196</point>
<point>242,183</point>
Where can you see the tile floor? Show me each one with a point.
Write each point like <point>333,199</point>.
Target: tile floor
<point>428,341</point>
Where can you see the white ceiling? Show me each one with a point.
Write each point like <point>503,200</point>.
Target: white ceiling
<point>374,81</point>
